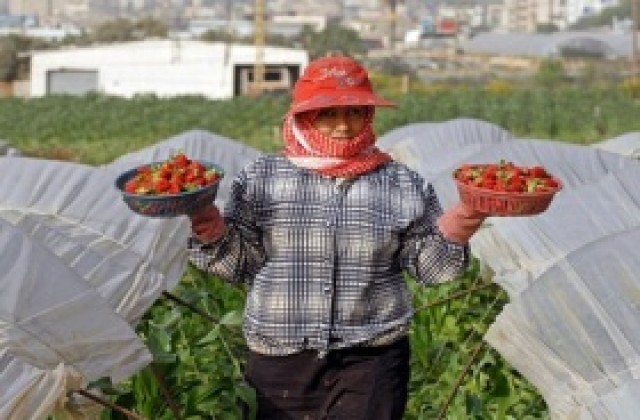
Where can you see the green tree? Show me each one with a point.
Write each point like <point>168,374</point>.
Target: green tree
<point>120,30</point>
<point>392,66</point>
<point>214,35</point>
<point>333,39</point>
<point>117,30</point>
<point>8,59</point>
<point>12,65</point>
<point>605,17</point>
<point>550,73</point>
<point>149,27</point>
<point>547,28</point>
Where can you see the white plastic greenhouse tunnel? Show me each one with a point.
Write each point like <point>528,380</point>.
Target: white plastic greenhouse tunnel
<point>627,144</point>
<point>68,221</point>
<point>571,326</point>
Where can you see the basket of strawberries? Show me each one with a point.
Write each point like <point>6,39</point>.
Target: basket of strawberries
<point>506,189</point>
<point>174,187</point>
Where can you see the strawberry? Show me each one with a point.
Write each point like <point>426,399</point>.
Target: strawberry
<point>506,176</point>
<point>197,168</point>
<point>538,172</point>
<point>174,188</point>
<point>181,160</point>
<point>161,185</point>
<point>131,186</point>
<point>173,176</point>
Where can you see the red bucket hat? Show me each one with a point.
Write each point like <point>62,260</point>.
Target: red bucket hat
<point>334,81</point>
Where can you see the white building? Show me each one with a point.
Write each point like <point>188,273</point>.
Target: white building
<point>162,67</point>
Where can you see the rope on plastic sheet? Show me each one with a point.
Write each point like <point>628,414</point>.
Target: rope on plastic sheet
<point>109,404</point>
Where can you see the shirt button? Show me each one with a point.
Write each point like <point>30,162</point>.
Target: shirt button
<point>327,289</point>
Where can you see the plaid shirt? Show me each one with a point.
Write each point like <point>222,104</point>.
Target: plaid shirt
<point>324,257</point>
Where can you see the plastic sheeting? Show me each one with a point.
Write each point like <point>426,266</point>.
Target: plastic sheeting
<point>79,258</point>
<point>627,145</point>
<point>33,393</point>
<point>77,271</point>
<point>575,298</point>
<point>49,320</point>
<point>468,132</point>
<point>77,213</point>
<point>611,44</point>
<point>572,326</point>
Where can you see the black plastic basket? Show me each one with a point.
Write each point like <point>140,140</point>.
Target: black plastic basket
<point>169,205</point>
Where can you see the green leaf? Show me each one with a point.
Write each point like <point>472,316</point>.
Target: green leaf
<point>158,340</point>
<point>164,358</point>
<point>104,384</point>
<point>232,318</point>
<point>473,404</point>
<point>248,396</point>
<point>210,337</point>
<point>500,385</point>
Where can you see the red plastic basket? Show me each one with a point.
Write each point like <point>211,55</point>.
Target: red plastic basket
<point>499,203</point>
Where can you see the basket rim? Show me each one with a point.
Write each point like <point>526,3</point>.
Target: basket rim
<point>506,194</point>
<point>125,176</point>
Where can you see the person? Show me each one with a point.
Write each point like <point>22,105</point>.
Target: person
<point>322,234</point>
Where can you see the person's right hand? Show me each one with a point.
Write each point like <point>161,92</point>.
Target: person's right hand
<point>207,224</point>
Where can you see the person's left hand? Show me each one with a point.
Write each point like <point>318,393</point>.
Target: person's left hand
<point>460,222</point>
<point>207,224</point>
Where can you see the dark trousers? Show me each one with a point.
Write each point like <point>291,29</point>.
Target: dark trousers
<point>357,383</point>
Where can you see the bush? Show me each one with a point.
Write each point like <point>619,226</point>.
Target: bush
<point>631,86</point>
<point>550,73</point>
<point>499,87</point>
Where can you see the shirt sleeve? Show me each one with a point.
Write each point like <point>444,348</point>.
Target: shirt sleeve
<point>425,253</point>
<point>239,254</point>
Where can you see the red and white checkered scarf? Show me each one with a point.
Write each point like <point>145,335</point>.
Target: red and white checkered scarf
<point>306,147</point>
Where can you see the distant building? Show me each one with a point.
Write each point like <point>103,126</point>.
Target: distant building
<point>287,26</point>
<point>41,8</point>
<point>18,22</point>
<point>529,15</point>
<point>316,22</point>
<point>48,34</point>
<point>164,68</point>
<point>49,12</point>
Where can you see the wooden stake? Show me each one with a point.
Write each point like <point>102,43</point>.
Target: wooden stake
<point>200,312</point>
<point>474,355</point>
<point>109,404</point>
<point>454,296</point>
<point>165,391</point>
